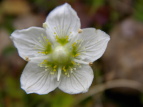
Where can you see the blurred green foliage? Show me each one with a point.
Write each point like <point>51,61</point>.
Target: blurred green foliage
<point>138,11</point>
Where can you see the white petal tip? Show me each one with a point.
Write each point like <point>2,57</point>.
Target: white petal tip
<point>103,34</point>
<point>29,91</point>
<point>66,4</point>
<point>83,91</point>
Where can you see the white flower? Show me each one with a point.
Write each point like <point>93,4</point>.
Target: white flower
<point>60,54</point>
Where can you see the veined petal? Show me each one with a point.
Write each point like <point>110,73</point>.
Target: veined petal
<point>35,79</point>
<point>78,82</point>
<point>63,21</point>
<point>93,45</point>
<point>59,54</point>
<point>27,41</point>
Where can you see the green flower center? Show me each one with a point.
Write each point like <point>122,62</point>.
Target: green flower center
<point>61,55</point>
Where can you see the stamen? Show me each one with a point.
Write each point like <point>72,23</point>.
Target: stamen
<point>64,69</point>
<point>62,40</point>
<point>64,50</point>
<point>77,54</point>
<point>90,63</point>
<point>44,45</point>
<point>59,74</point>
<point>27,58</point>
<point>73,62</point>
<point>54,70</point>
<point>55,66</point>
<point>45,25</point>
<point>80,31</point>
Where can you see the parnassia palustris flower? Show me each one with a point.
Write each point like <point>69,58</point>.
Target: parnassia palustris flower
<point>60,53</point>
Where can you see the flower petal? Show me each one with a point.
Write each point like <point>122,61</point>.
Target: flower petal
<point>35,79</point>
<point>63,21</point>
<point>26,40</point>
<point>78,82</point>
<point>94,43</point>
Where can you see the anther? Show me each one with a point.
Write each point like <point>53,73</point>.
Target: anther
<point>90,63</point>
<point>64,69</point>
<point>27,58</point>
<point>55,66</point>
<point>80,31</point>
<point>73,62</point>
<point>45,25</point>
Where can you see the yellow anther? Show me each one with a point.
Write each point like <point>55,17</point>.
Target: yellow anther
<point>90,63</point>
<point>73,44</point>
<point>73,62</point>
<point>27,58</point>
<point>64,69</point>
<point>54,32</point>
<point>80,31</point>
<point>67,38</point>
<point>76,55</point>
<point>49,43</point>
<point>57,37</point>
<point>45,60</point>
<point>55,66</point>
<point>45,25</point>
<point>54,70</point>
